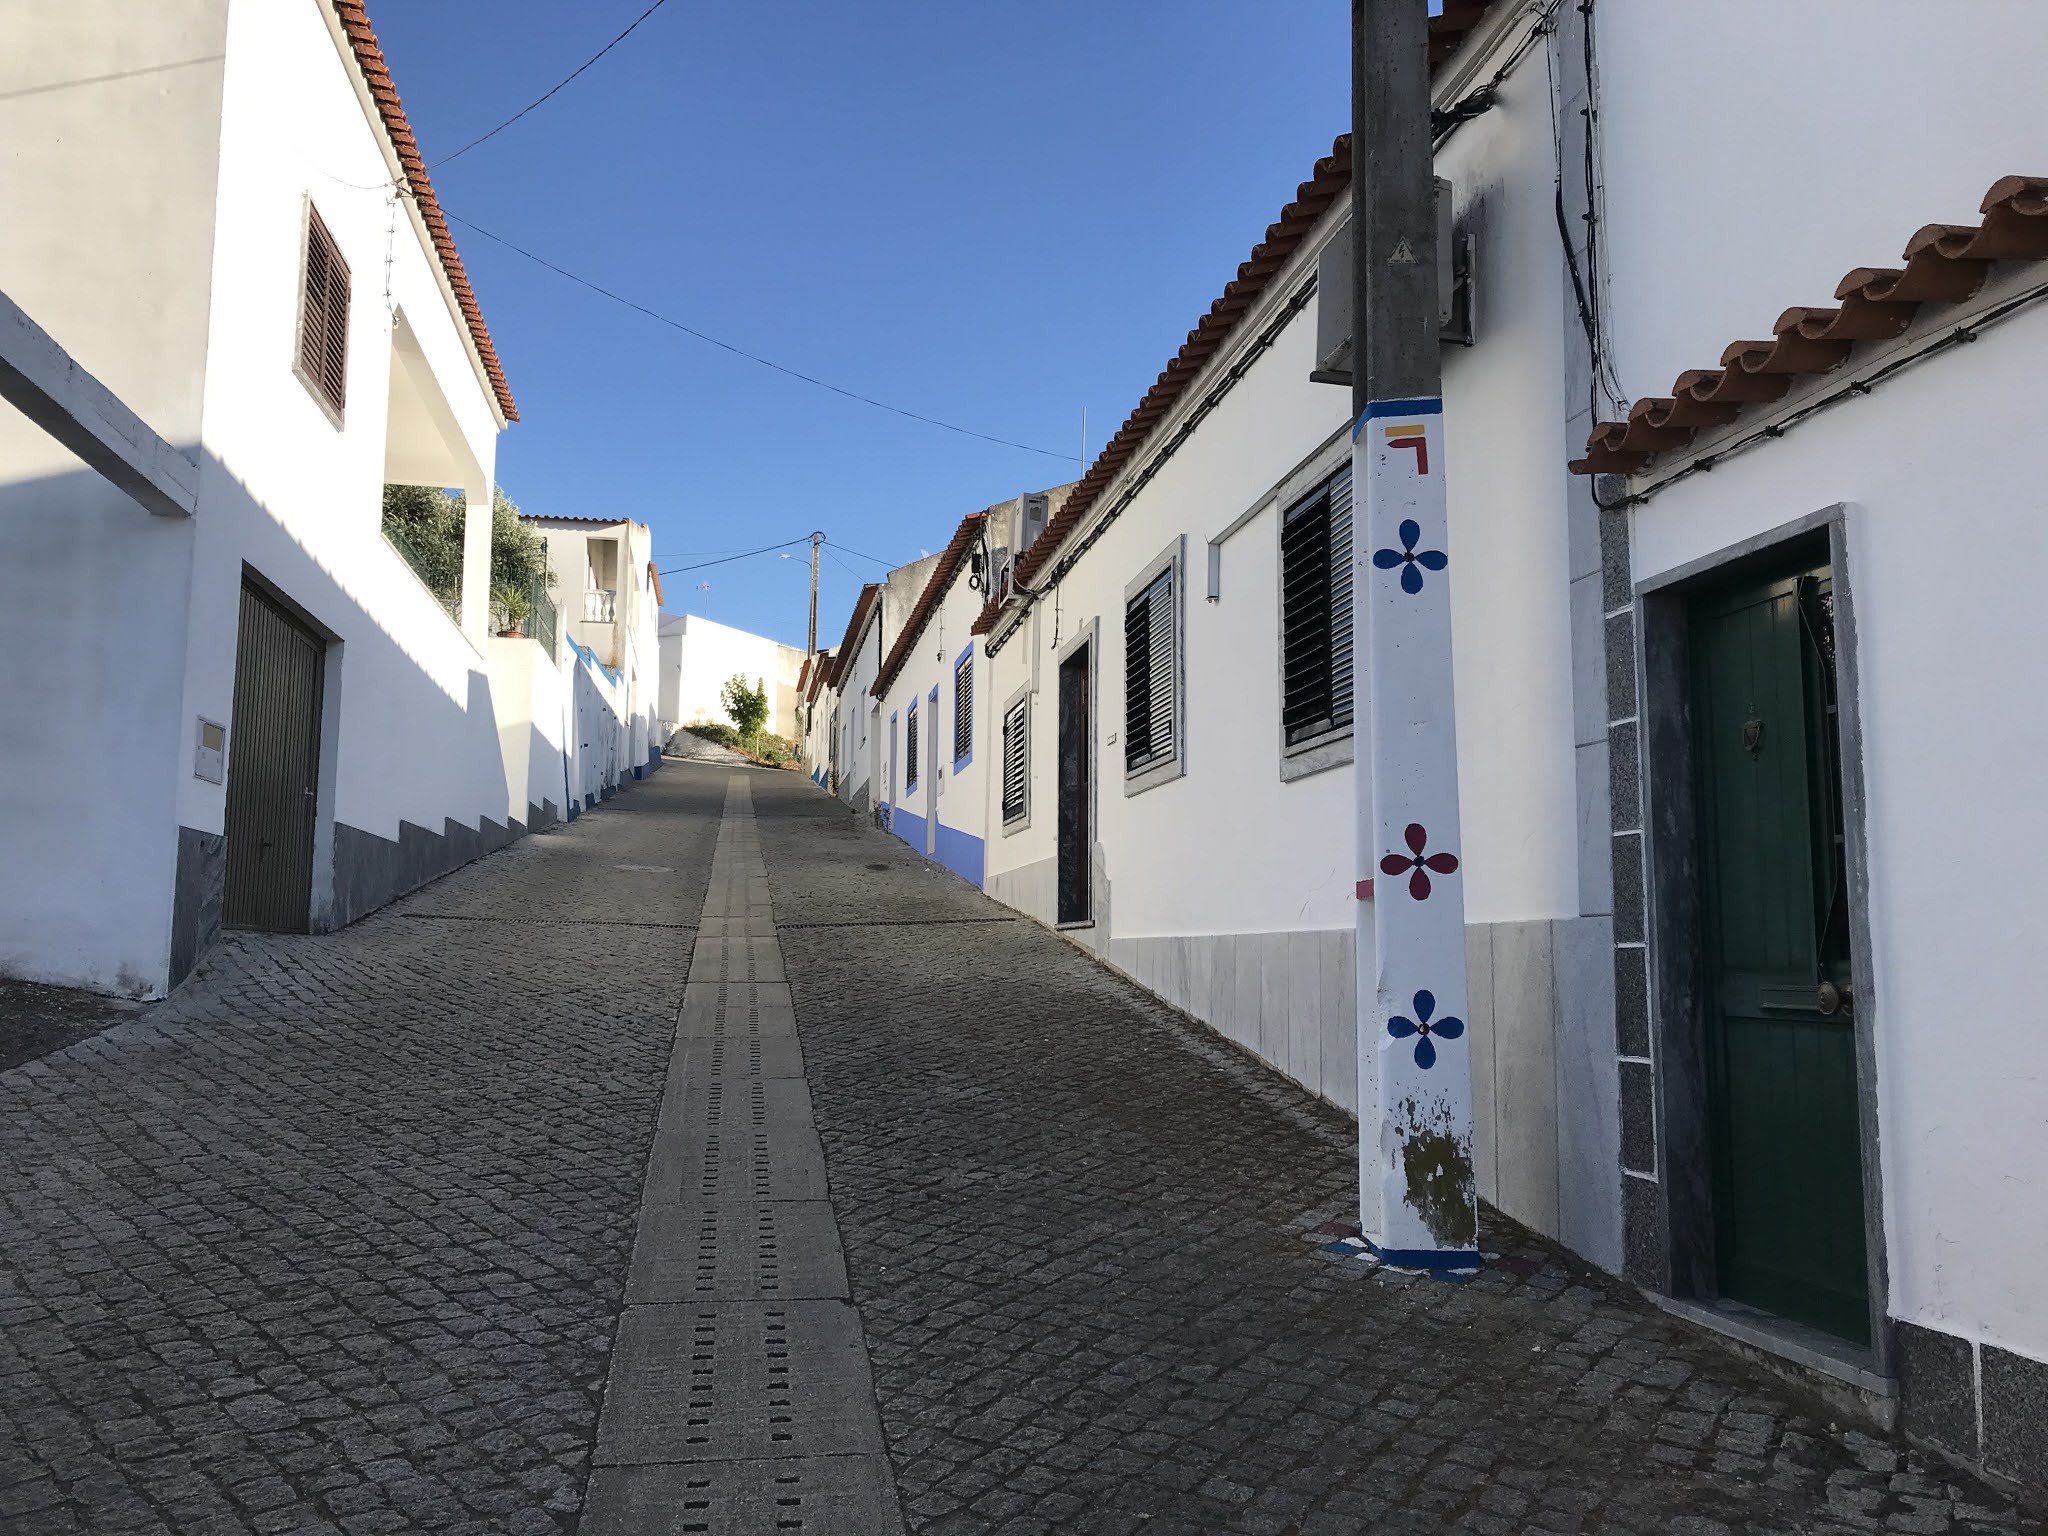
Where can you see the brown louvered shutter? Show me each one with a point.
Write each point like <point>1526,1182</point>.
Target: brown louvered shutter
<point>323,316</point>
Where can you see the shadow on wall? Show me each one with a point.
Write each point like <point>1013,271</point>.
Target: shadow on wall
<point>121,632</point>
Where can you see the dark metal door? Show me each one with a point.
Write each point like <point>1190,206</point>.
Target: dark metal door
<point>1075,776</point>
<point>1781,1052</point>
<point>273,769</point>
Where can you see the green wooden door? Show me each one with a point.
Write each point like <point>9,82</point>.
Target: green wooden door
<point>1788,1177</point>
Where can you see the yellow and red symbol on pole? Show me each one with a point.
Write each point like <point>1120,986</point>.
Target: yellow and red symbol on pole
<point>1410,434</point>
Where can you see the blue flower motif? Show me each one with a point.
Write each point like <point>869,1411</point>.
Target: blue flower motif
<point>1423,1030</point>
<point>1409,558</point>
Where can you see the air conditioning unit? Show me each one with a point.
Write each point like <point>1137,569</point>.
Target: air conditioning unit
<point>1333,293</point>
<point>1031,519</point>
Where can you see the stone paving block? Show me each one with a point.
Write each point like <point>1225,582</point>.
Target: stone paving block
<point>698,1165</point>
<point>738,1380</point>
<point>1080,1232</point>
<point>733,960</point>
<point>718,1054</point>
<point>756,1250</point>
<point>735,1009</point>
<point>819,1495</point>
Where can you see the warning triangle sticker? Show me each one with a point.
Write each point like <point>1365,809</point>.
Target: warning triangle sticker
<point>1404,253</point>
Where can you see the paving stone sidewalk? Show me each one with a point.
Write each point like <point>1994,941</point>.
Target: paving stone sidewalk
<point>1076,1230</point>
<point>334,1240</point>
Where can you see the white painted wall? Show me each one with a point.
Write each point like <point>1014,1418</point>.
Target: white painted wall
<point>699,656</point>
<point>111,121</point>
<point>958,792</point>
<point>1226,890</point>
<point>1849,137</point>
<point>298,499</point>
<point>529,693</point>
<point>1948,542</point>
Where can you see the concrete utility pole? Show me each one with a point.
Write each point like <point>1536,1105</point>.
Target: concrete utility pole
<point>1417,1203</point>
<point>816,540</point>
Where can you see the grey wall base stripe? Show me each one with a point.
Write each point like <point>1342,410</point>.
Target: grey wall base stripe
<point>372,871</point>
<point>197,895</point>
<point>740,1397</point>
<point>1984,1406</point>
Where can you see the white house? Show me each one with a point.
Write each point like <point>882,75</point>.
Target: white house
<point>1820,589</point>
<point>252,711</point>
<point>814,723</point>
<point>608,595</point>
<point>1708,1062</point>
<point>698,658</point>
<point>878,617</point>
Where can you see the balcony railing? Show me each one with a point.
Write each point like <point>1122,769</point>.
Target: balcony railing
<point>599,606</point>
<point>440,577</point>
<point>540,619</point>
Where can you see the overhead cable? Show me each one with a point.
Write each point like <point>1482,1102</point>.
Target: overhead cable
<point>752,357</point>
<point>607,48</point>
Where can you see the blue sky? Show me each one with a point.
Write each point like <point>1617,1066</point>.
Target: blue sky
<point>997,215</point>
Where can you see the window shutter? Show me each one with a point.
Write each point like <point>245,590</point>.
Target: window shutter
<point>1315,612</point>
<point>323,315</point>
<point>1149,675</point>
<point>910,750</point>
<point>1015,760</point>
<point>963,709</point>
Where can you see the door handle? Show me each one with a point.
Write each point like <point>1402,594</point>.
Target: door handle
<point>1831,999</point>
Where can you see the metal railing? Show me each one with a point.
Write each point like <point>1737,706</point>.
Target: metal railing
<point>446,585</point>
<point>599,606</point>
<point>541,620</point>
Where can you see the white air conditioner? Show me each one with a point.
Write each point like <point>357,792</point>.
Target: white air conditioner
<point>1333,292</point>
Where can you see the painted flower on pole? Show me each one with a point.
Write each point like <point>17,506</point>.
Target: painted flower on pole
<point>1418,864</point>
<point>1446,1028</point>
<point>1412,561</point>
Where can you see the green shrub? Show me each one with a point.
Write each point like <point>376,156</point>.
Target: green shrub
<point>747,706</point>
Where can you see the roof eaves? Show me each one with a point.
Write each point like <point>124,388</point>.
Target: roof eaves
<point>928,600</point>
<point>1332,175</point>
<point>369,57</point>
<point>1944,264</point>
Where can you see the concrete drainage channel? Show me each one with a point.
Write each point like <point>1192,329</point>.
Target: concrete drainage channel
<point>740,1397</point>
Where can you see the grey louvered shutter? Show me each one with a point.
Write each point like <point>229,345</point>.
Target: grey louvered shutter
<point>1315,612</point>
<point>1149,679</point>
<point>910,750</point>
<point>963,709</point>
<point>1015,760</point>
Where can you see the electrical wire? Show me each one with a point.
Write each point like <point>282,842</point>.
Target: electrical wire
<point>891,564</point>
<point>753,357</point>
<point>747,554</point>
<point>537,101</point>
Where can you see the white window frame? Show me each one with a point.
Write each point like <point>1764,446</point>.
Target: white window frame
<point>1173,558</point>
<point>1023,819</point>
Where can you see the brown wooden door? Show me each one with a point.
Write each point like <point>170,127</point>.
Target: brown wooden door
<point>273,769</point>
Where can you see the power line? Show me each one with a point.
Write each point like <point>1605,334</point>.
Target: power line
<point>765,549</point>
<point>892,564</point>
<point>607,48</point>
<point>753,357</point>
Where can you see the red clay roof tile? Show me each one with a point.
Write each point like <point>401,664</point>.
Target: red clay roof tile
<point>355,23</point>
<point>929,599</point>
<point>1944,264</point>
<point>1312,199</point>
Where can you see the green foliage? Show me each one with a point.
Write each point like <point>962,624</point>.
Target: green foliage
<point>716,730</point>
<point>428,523</point>
<point>747,706</point>
<point>519,558</point>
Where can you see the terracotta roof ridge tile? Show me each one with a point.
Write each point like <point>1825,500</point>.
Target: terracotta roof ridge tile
<point>929,599</point>
<point>369,56</point>
<point>1944,264</point>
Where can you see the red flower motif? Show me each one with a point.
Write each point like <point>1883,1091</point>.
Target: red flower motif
<point>1417,865</point>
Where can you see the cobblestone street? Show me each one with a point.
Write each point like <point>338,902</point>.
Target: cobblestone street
<point>339,1237</point>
